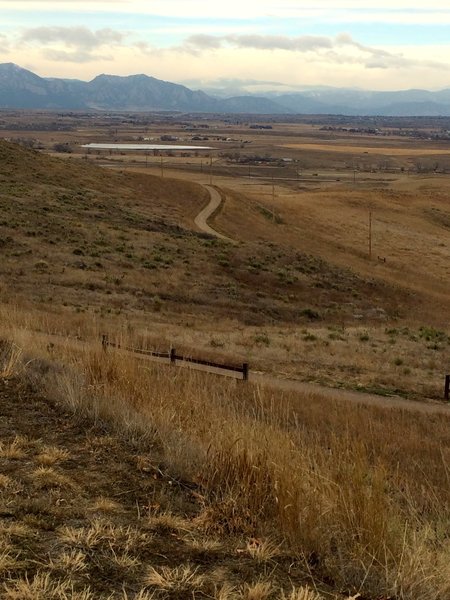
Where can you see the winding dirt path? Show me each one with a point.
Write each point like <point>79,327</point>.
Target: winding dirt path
<point>201,220</point>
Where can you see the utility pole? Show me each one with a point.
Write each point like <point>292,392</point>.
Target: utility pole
<point>273,199</point>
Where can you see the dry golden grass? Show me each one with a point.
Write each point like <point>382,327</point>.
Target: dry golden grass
<point>42,587</point>
<point>257,591</point>
<point>223,490</point>
<point>14,450</point>
<point>304,593</point>
<point>287,282</point>
<point>48,478</point>
<point>339,483</point>
<point>182,580</point>
<point>376,149</point>
<point>50,456</point>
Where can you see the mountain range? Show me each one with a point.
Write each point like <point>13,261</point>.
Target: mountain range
<point>22,89</point>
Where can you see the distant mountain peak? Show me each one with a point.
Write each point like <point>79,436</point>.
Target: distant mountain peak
<point>20,88</point>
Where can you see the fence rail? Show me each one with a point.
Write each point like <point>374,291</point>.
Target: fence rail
<point>174,357</point>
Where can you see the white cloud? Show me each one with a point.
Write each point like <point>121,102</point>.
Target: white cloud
<point>72,44</point>
<point>340,49</point>
<point>80,37</point>
<point>233,44</point>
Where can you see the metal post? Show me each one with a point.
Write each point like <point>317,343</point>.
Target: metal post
<point>447,387</point>
<point>245,371</point>
<point>173,356</point>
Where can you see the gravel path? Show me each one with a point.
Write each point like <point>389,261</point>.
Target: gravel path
<point>201,220</point>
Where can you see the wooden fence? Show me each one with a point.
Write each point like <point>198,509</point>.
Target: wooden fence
<point>173,357</point>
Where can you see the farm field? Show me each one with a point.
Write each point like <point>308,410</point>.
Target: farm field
<point>335,271</point>
<point>381,150</point>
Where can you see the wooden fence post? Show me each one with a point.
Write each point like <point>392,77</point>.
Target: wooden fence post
<point>245,371</point>
<point>104,342</point>
<point>173,355</point>
<point>447,387</point>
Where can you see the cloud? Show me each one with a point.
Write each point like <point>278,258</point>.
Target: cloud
<point>203,41</point>
<point>78,37</point>
<point>340,49</point>
<point>72,44</point>
<point>4,43</point>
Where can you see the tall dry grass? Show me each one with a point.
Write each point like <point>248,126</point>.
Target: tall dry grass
<point>359,494</point>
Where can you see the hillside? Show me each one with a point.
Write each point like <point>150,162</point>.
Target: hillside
<point>144,533</point>
<point>123,480</point>
<point>76,235</point>
<point>82,244</point>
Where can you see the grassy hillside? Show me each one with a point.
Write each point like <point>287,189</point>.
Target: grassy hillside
<point>82,244</point>
<point>92,239</point>
<point>122,479</point>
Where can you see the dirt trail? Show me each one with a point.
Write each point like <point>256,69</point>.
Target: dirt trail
<point>203,216</point>
<point>427,406</point>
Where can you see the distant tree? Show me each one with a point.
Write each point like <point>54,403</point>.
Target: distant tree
<point>59,147</point>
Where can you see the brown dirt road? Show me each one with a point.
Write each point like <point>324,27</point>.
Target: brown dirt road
<point>201,220</point>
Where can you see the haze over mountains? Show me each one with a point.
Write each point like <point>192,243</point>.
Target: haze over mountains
<point>22,89</point>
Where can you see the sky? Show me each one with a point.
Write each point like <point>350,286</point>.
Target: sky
<point>254,45</point>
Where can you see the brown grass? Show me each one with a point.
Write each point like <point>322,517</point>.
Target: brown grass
<point>341,484</point>
<point>291,283</point>
<point>223,490</point>
<point>379,150</point>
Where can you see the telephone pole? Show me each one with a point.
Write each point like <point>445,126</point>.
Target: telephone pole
<point>273,199</point>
